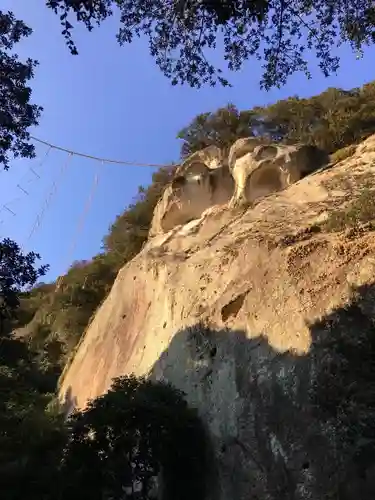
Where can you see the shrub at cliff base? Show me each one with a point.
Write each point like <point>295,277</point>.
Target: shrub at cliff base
<point>124,440</point>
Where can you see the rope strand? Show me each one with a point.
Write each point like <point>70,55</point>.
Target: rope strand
<point>81,223</point>
<point>103,160</point>
<point>4,206</point>
<point>48,200</point>
<point>33,171</point>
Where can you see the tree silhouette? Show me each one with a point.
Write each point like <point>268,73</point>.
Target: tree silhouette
<point>137,432</point>
<point>331,120</point>
<point>17,270</point>
<point>30,438</point>
<point>277,32</point>
<point>16,112</point>
<point>220,128</point>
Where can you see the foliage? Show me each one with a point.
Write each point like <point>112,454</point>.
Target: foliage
<point>221,128</point>
<point>343,154</point>
<point>29,436</point>
<point>360,210</point>
<point>137,431</point>
<point>16,112</point>
<point>17,270</point>
<point>331,120</point>
<point>183,33</point>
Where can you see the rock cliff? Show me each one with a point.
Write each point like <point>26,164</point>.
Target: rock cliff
<point>233,298</point>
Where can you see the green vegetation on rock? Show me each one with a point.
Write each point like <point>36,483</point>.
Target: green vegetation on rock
<point>342,154</point>
<point>29,433</point>
<point>331,120</point>
<point>359,211</point>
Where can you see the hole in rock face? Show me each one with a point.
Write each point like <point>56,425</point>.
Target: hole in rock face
<point>311,158</point>
<point>241,148</point>
<point>264,181</point>
<point>233,308</point>
<point>265,152</point>
<point>196,191</point>
<point>213,352</point>
<point>178,182</point>
<point>221,185</point>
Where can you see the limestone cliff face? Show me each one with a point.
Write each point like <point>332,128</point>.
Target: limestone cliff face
<point>230,306</point>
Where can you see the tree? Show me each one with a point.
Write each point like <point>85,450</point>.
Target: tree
<point>331,120</point>
<point>124,440</point>
<point>17,270</point>
<point>277,32</point>
<point>16,112</point>
<point>30,438</point>
<point>221,128</point>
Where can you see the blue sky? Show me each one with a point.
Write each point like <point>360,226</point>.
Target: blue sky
<point>113,102</point>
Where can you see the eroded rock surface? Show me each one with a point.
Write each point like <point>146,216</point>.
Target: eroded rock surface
<point>261,169</point>
<point>251,170</point>
<point>233,308</point>
<point>202,181</point>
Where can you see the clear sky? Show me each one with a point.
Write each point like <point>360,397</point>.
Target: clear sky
<point>113,102</point>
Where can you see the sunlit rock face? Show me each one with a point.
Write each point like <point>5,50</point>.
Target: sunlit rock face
<point>202,181</point>
<point>250,171</point>
<point>261,169</point>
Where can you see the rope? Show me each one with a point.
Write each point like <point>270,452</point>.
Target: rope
<point>48,200</point>
<point>102,160</point>
<point>81,222</point>
<point>21,188</point>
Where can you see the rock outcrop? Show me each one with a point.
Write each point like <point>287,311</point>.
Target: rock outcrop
<point>202,181</point>
<point>233,306</point>
<point>251,171</point>
<point>262,169</point>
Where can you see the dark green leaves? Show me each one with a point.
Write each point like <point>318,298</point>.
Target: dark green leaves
<point>17,270</point>
<point>125,439</point>
<point>331,120</point>
<point>16,112</point>
<point>279,33</point>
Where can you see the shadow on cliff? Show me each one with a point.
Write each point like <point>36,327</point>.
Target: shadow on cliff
<point>285,426</point>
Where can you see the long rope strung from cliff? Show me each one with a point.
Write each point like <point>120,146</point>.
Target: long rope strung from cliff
<point>102,160</point>
<point>23,187</point>
<point>48,199</point>
<point>81,221</point>
<point>47,203</point>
